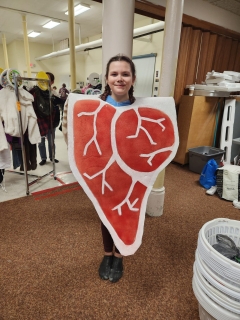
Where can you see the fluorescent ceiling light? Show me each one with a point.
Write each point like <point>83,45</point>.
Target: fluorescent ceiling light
<point>51,24</point>
<point>34,34</point>
<point>80,8</point>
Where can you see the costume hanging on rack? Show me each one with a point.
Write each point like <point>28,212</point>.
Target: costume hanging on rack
<point>3,140</point>
<point>41,105</point>
<point>8,112</point>
<point>48,116</point>
<point>9,124</point>
<point>13,79</point>
<point>5,156</point>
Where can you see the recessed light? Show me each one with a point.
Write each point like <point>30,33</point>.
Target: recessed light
<point>80,8</point>
<point>51,24</point>
<point>34,34</point>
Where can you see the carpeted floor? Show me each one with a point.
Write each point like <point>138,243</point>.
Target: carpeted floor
<point>51,247</point>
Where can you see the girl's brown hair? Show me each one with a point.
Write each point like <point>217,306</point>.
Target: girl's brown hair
<point>107,90</point>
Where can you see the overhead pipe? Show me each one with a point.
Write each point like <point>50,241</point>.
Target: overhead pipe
<point>5,51</point>
<point>138,32</point>
<point>26,45</point>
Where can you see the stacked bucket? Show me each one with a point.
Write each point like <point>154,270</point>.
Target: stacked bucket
<point>216,279</point>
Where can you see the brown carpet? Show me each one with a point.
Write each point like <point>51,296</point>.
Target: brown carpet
<point>50,250</point>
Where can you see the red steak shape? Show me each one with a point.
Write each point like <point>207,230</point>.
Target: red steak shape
<point>115,154</point>
<point>84,131</point>
<point>137,135</point>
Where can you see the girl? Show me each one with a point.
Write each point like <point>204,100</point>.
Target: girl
<point>120,77</point>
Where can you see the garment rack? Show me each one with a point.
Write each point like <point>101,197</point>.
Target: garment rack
<point>18,106</point>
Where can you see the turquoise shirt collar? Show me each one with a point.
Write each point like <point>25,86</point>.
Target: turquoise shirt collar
<point>117,104</point>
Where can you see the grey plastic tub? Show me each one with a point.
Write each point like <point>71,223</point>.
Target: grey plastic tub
<point>199,156</point>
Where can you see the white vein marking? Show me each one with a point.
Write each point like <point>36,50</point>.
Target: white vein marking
<point>152,154</point>
<point>103,173</point>
<point>140,127</point>
<point>127,201</point>
<point>94,137</point>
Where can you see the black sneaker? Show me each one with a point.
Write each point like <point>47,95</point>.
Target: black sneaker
<point>42,162</point>
<point>55,160</point>
<point>117,269</point>
<point>105,267</point>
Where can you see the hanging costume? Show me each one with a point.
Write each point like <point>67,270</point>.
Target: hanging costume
<point>9,116</point>
<point>42,101</point>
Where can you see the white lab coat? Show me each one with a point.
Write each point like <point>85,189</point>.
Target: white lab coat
<point>9,114</point>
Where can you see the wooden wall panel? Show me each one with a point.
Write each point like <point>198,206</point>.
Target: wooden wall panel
<point>182,65</point>
<point>211,52</point>
<point>201,73</point>
<point>237,60</point>
<point>232,56</point>
<point>193,56</point>
<point>217,63</point>
<point>227,45</point>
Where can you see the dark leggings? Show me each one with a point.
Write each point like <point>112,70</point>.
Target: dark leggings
<point>107,240</point>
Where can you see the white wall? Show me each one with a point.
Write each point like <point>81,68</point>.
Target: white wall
<point>205,11</point>
<point>93,62</point>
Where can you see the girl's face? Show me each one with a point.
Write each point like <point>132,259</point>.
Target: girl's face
<point>120,80</point>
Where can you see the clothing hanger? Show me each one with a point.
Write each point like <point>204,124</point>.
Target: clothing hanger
<point>96,91</point>
<point>7,78</point>
<point>3,78</point>
<point>89,91</point>
<point>10,77</point>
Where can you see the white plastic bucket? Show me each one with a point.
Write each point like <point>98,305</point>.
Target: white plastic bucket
<point>217,296</point>
<point>227,269</point>
<point>216,281</point>
<point>214,309</point>
<point>155,202</point>
<point>203,314</point>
